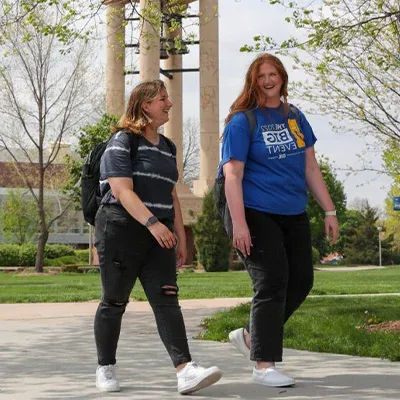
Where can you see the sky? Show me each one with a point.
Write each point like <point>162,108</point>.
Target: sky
<point>239,22</point>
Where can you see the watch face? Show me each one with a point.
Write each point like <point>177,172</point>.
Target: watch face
<point>152,220</point>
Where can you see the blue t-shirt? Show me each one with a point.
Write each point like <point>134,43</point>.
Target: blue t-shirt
<point>274,179</point>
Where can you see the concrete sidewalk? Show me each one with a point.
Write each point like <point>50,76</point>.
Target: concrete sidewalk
<point>47,352</point>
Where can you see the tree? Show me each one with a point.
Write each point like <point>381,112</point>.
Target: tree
<point>76,18</point>
<point>43,96</point>
<point>351,52</point>
<point>362,241</point>
<point>212,244</point>
<point>88,137</point>
<point>317,214</point>
<point>19,217</point>
<point>191,153</point>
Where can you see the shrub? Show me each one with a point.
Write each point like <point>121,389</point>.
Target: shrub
<point>9,255</point>
<point>58,250</point>
<point>27,254</point>
<point>83,255</point>
<point>315,256</point>
<point>212,244</point>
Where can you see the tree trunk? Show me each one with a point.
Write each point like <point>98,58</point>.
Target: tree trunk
<point>44,234</point>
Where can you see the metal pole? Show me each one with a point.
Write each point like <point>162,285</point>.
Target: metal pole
<point>380,250</point>
<point>90,244</point>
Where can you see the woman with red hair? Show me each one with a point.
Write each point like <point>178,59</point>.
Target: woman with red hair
<point>267,174</point>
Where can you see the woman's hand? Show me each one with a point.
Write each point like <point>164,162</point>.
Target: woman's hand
<point>242,239</point>
<point>163,235</point>
<point>181,253</point>
<point>331,228</point>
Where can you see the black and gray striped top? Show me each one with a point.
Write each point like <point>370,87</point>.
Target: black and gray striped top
<point>153,170</point>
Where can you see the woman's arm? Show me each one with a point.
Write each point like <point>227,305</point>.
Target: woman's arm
<point>122,189</point>
<point>317,187</point>
<point>181,251</point>
<point>233,171</point>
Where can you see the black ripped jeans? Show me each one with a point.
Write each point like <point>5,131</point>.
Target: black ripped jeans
<point>281,269</point>
<point>128,251</point>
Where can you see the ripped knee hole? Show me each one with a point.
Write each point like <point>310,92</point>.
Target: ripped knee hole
<point>170,290</point>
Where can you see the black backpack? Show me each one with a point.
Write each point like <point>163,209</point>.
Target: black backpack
<point>90,180</point>
<point>219,185</point>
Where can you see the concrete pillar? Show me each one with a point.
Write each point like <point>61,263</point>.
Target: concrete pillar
<point>209,96</point>
<point>115,59</point>
<point>149,65</point>
<point>174,128</point>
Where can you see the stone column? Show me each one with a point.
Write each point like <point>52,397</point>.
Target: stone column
<point>149,65</point>
<point>174,128</point>
<point>209,96</point>
<point>115,58</point>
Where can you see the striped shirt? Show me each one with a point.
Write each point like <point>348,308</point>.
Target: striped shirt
<point>153,170</point>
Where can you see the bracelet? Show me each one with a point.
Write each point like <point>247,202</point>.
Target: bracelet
<point>330,213</point>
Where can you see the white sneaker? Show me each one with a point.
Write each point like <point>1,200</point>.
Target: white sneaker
<point>194,377</point>
<point>271,377</point>
<point>106,380</point>
<point>237,339</point>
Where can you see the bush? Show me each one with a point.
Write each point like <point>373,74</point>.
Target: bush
<point>27,254</point>
<point>58,250</point>
<point>9,255</point>
<point>212,244</point>
<point>83,255</point>
<point>315,256</point>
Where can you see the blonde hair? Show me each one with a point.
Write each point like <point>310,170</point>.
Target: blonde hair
<point>251,95</point>
<point>135,118</point>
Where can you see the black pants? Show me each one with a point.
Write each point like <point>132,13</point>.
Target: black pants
<point>280,266</point>
<point>128,251</point>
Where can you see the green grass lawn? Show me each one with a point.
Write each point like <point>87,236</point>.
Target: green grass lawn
<point>19,288</point>
<point>326,325</point>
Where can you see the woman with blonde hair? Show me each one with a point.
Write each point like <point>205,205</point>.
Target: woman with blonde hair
<point>267,174</point>
<point>139,233</point>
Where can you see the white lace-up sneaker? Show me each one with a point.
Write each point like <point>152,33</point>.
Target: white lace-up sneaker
<point>236,337</point>
<point>106,380</point>
<point>194,377</point>
<point>271,377</point>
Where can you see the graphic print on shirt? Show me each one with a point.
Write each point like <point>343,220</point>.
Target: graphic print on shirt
<point>282,141</point>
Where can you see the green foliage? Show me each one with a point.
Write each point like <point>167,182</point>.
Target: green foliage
<point>88,137</point>
<point>83,255</point>
<point>14,255</point>
<point>317,214</point>
<point>351,55</point>
<point>76,18</point>
<point>58,250</point>
<point>212,244</point>
<point>19,217</point>
<point>362,244</point>
<point>315,256</point>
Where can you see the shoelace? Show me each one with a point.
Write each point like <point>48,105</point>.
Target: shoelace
<point>109,372</point>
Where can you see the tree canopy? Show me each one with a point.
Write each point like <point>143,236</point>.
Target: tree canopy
<point>350,50</point>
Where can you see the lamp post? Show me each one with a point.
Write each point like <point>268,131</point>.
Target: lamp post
<point>380,245</point>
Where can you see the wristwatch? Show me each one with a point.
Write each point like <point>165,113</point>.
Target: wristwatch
<point>151,221</point>
<point>330,213</point>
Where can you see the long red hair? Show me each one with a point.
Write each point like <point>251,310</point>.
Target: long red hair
<point>251,95</point>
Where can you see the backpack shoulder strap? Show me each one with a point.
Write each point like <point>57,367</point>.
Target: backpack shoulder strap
<point>133,142</point>
<point>295,111</point>
<point>170,143</point>
<point>251,117</point>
